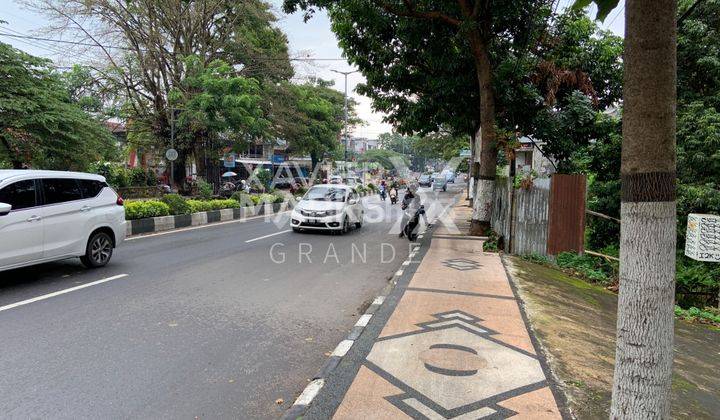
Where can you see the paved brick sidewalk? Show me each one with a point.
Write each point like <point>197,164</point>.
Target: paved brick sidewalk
<point>456,345</point>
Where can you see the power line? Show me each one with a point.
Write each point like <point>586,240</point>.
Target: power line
<point>616,15</point>
<point>87,44</point>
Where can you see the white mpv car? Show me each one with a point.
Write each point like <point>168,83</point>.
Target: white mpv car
<point>53,215</point>
<point>331,207</point>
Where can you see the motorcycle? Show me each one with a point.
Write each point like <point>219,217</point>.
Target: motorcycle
<point>393,198</point>
<point>412,224</point>
<point>383,194</point>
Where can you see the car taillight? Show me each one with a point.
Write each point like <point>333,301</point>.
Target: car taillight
<point>119,201</point>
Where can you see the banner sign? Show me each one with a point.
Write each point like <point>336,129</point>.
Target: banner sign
<point>702,238</point>
<point>229,160</point>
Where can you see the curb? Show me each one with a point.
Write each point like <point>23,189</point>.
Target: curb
<point>554,382</point>
<point>301,404</point>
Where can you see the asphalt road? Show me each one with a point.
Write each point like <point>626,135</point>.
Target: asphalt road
<point>205,324</point>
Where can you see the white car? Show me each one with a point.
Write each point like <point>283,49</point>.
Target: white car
<point>333,207</point>
<point>53,215</point>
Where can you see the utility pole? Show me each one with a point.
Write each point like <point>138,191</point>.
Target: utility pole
<point>345,128</point>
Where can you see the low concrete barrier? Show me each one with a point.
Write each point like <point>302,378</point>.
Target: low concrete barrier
<point>158,224</point>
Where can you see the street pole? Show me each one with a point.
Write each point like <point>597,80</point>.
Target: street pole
<point>172,146</point>
<point>345,128</point>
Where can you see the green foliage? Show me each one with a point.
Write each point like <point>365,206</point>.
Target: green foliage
<point>138,177</point>
<point>244,199</point>
<point>40,126</point>
<point>264,176</point>
<point>142,209</point>
<point>491,244</point>
<point>588,267</point>
<point>205,189</point>
<point>372,187</point>
<point>594,269</point>
<point>693,314</point>
<point>388,159</point>
<point>279,197</point>
<point>197,206</point>
<point>178,205</point>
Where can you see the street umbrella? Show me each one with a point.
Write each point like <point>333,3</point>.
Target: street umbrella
<point>229,174</point>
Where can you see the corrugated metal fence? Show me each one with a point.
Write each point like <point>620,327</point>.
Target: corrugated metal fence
<point>522,220</point>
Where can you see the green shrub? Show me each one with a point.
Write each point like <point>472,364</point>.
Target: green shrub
<point>593,268</point>
<point>692,314</point>
<point>141,209</point>
<point>243,198</point>
<point>491,245</point>
<point>266,198</point>
<point>177,204</point>
<point>197,206</point>
<point>119,177</point>
<point>152,179</point>
<point>224,204</point>
<point>205,190</point>
<point>371,186</point>
<point>138,177</point>
<point>279,197</point>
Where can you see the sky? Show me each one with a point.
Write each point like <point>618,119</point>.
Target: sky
<point>313,38</point>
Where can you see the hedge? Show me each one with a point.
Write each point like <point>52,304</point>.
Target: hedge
<point>142,209</point>
<point>174,204</point>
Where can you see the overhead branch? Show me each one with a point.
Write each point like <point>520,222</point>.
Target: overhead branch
<point>410,11</point>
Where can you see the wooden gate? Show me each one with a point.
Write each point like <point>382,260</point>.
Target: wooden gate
<point>566,214</point>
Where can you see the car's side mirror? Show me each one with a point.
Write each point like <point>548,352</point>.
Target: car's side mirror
<point>352,201</point>
<point>299,197</point>
<point>5,209</point>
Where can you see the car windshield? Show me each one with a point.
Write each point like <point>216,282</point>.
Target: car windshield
<point>424,177</point>
<point>325,193</point>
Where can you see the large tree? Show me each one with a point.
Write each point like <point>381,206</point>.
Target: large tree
<point>319,118</point>
<point>414,28</point>
<point>145,45</point>
<point>644,350</point>
<point>41,126</point>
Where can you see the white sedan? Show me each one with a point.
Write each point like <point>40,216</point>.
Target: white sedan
<point>333,207</point>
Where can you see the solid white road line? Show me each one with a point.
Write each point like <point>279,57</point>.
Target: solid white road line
<point>267,236</point>
<point>60,292</point>
<point>185,229</point>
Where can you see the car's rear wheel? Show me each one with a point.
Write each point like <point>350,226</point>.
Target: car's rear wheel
<point>99,250</point>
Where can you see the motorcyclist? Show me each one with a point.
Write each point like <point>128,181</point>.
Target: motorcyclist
<point>393,195</point>
<point>413,208</point>
<point>382,192</point>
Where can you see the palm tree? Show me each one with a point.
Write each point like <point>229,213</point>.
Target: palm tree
<point>644,353</point>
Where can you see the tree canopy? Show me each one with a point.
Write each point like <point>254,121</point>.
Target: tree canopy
<point>40,125</point>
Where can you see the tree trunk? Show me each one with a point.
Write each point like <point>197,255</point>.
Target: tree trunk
<point>644,352</point>
<point>485,175</point>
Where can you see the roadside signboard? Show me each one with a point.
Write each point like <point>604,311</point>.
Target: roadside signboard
<point>702,238</point>
<point>229,160</point>
<point>171,154</point>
